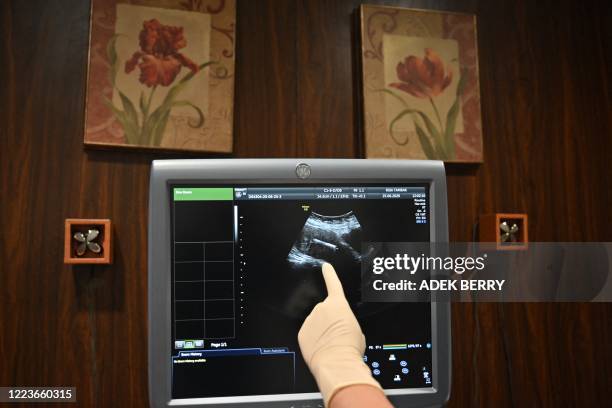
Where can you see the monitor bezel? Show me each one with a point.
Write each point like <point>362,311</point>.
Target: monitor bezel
<point>165,173</point>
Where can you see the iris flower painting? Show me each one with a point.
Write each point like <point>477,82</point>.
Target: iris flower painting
<point>160,75</point>
<point>158,61</point>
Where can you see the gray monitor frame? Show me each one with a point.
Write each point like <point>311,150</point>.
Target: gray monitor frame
<point>282,171</point>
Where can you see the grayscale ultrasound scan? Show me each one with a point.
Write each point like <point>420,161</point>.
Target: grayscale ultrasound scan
<point>327,238</point>
<point>336,239</point>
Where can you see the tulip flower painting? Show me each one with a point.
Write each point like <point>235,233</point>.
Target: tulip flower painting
<point>157,62</point>
<point>426,78</point>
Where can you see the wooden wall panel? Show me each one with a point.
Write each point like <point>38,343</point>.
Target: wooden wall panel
<point>266,75</point>
<point>547,101</point>
<point>326,96</point>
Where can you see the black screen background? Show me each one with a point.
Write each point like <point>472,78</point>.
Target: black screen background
<point>277,300</point>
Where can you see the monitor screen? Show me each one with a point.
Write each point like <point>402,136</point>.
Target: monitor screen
<point>246,272</point>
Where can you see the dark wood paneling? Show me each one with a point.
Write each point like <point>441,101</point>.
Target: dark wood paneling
<point>266,76</point>
<point>547,100</point>
<point>326,95</point>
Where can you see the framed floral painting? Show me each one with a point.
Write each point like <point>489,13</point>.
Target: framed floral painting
<point>421,94</point>
<point>161,74</point>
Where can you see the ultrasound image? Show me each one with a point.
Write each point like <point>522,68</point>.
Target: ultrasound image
<point>336,239</point>
<point>326,238</point>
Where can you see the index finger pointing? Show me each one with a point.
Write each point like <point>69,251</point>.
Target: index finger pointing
<point>332,283</point>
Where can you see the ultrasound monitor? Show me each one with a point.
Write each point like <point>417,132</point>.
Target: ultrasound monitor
<point>235,254</point>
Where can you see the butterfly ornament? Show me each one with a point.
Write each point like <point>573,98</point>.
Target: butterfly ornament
<point>87,241</point>
<point>509,232</point>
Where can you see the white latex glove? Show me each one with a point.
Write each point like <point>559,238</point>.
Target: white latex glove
<point>332,342</point>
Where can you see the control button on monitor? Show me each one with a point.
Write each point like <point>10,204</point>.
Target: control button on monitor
<point>403,363</point>
<point>375,364</point>
<point>392,357</point>
<point>179,344</point>
<point>397,378</point>
<point>376,371</point>
<point>404,370</point>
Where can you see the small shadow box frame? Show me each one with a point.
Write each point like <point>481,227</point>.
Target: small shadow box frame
<point>490,231</point>
<point>104,240</point>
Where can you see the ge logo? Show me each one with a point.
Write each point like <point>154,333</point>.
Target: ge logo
<point>302,170</point>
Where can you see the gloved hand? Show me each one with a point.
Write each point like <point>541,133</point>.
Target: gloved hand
<point>332,342</point>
